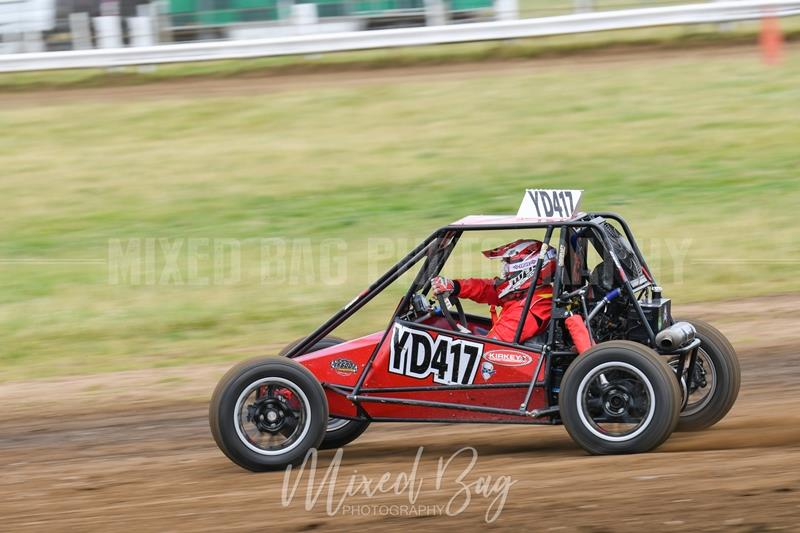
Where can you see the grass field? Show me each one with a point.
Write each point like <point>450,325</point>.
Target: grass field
<point>700,154</point>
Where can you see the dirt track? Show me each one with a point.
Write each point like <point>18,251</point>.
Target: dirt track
<point>133,451</point>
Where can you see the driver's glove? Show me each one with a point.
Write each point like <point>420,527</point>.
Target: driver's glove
<point>442,285</point>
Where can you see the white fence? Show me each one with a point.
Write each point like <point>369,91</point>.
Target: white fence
<point>347,41</point>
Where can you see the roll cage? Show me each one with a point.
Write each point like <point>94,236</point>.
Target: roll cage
<point>627,265</point>
<point>438,246</point>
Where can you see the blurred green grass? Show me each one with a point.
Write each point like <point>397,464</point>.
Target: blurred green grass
<point>699,153</point>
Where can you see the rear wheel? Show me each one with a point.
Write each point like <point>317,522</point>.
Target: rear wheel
<point>714,384</point>
<point>268,413</point>
<point>339,431</point>
<point>619,397</point>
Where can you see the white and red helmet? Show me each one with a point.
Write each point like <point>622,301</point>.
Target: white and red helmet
<point>518,264</point>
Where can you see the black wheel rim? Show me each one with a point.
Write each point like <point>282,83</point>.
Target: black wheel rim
<point>272,416</point>
<point>616,401</point>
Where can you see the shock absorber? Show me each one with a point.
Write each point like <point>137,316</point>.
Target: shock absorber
<point>579,333</point>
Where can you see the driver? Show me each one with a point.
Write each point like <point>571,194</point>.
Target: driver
<point>510,289</point>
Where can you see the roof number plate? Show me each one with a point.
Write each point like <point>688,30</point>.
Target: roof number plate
<point>550,204</point>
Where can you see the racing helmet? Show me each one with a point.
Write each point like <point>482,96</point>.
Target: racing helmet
<point>518,262</point>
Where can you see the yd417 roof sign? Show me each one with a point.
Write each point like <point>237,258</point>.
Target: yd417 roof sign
<point>551,204</point>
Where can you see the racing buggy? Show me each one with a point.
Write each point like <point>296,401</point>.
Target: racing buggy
<point>614,366</point>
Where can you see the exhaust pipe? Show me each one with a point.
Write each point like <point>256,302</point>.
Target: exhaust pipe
<point>675,336</point>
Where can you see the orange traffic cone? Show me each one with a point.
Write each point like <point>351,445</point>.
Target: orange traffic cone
<point>771,40</point>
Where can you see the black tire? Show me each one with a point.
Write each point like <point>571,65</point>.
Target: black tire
<point>650,389</point>
<point>227,404</point>
<point>720,361</point>
<point>340,432</point>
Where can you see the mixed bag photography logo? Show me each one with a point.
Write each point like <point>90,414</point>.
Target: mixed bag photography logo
<point>446,486</point>
<point>298,262</point>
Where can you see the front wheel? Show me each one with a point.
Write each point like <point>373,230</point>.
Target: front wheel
<point>619,397</point>
<point>268,413</point>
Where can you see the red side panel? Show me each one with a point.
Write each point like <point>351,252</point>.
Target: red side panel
<point>413,356</point>
<point>333,365</point>
<point>341,365</point>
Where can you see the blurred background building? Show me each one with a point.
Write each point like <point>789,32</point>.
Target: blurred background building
<point>51,25</point>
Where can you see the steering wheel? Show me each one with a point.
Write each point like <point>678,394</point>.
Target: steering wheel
<point>461,325</point>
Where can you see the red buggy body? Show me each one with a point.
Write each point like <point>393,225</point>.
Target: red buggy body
<point>643,375</point>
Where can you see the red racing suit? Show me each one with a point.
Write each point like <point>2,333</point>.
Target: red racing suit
<point>504,325</point>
